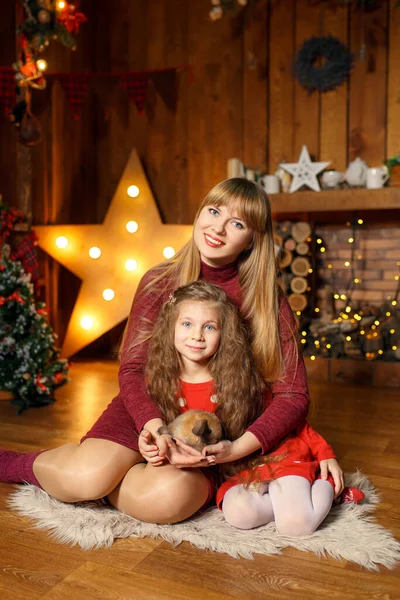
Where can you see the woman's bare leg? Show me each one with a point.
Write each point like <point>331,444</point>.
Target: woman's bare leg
<point>160,494</point>
<point>86,471</point>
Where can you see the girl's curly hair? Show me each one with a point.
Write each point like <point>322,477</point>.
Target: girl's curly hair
<point>237,383</point>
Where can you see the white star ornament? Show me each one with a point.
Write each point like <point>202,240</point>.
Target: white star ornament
<point>304,172</point>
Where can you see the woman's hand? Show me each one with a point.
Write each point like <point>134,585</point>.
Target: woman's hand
<point>183,456</point>
<point>154,449</point>
<point>331,465</point>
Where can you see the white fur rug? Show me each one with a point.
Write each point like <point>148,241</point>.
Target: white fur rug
<point>348,533</point>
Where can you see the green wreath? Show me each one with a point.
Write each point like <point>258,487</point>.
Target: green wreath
<point>332,73</point>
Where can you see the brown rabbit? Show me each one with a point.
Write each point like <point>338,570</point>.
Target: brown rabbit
<point>196,428</point>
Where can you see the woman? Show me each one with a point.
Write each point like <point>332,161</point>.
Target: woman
<point>232,246</point>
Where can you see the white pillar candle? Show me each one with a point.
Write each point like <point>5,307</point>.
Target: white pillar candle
<point>235,168</point>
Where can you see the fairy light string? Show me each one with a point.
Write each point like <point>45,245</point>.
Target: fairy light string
<point>355,332</point>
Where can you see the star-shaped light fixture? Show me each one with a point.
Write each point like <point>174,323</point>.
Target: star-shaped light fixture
<point>304,172</point>
<point>111,258</point>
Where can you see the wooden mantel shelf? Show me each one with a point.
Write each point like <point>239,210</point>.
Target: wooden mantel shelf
<point>348,199</point>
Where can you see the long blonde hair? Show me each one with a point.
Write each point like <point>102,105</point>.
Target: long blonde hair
<point>257,270</point>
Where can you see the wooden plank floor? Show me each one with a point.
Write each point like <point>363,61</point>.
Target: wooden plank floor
<point>362,423</point>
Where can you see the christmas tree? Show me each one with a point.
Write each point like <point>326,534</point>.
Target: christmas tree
<point>30,367</point>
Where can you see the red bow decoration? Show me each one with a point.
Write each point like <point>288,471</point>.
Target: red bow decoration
<point>13,296</point>
<point>70,18</point>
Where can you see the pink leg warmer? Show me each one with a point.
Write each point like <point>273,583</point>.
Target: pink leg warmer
<point>18,468</point>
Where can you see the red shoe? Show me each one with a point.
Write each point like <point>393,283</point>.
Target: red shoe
<point>350,494</point>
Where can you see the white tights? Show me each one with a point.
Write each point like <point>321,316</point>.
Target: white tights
<point>297,507</point>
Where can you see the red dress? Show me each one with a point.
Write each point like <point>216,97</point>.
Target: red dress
<point>286,400</point>
<point>301,452</point>
<point>197,396</point>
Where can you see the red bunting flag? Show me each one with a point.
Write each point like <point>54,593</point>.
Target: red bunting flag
<point>75,86</point>
<point>136,86</point>
<point>7,88</point>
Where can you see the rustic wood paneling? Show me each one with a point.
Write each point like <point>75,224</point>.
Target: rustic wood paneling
<point>261,115</point>
<point>393,79</point>
<point>255,89</point>
<point>306,106</point>
<point>281,84</point>
<point>166,146</point>
<point>8,155</point>
<point>333,104</point>
<point>215,101</point>
<point>367,110</point>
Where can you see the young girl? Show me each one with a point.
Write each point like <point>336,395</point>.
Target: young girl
<point>233,247</point>
<point>200,358</point>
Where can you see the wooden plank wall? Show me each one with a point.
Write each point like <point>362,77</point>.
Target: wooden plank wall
<point>8,150</point>
<point>243,102</point>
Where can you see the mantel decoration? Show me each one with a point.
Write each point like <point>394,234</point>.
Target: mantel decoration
<point>112,257</point>
<point>304,171</point>
<point>334,70</point>
<point>393,165</point>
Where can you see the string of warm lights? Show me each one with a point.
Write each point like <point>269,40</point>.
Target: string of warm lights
<point>111,258</point>
<point>373,334</point>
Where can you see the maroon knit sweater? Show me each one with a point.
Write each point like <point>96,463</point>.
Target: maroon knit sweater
<point>287,399</point>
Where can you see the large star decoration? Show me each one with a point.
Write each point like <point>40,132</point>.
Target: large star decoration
<point>92,314</point>
<point>304,172</point>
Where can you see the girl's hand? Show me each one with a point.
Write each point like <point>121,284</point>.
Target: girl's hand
<point>331,465</point>
<point>183,456</point>
<point>154,450</point>
<point>222,452</point>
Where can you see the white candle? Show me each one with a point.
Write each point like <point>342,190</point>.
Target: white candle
<point>235,168</point>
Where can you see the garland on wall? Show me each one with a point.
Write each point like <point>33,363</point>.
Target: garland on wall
<point>76,86</point>
<point>40,22</point>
